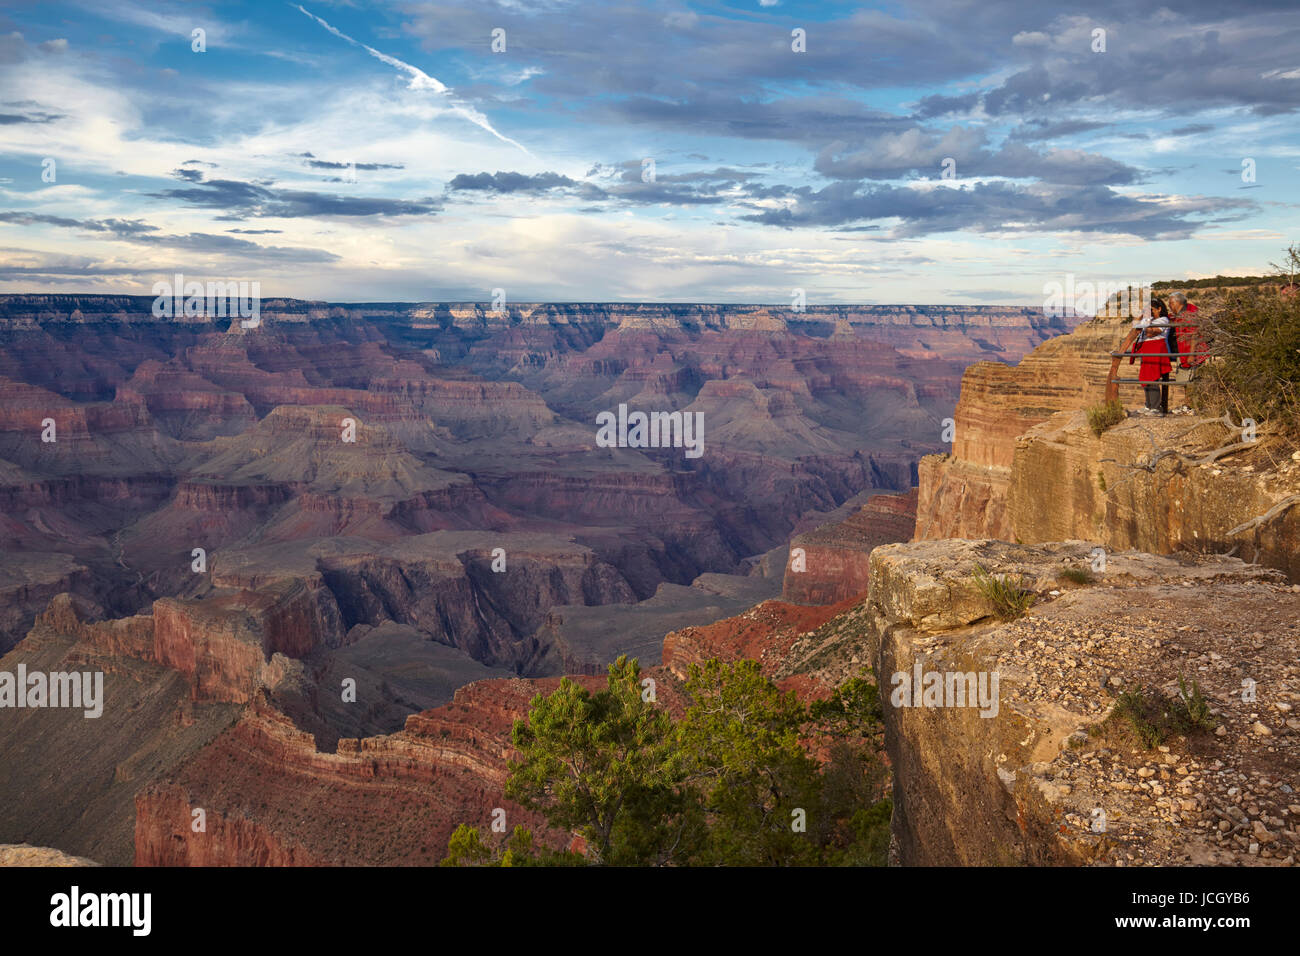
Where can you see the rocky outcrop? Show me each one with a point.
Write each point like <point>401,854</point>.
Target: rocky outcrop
<point>1026,466</point>
<point>1035,773</point>
<point>964,493</point>
<point>229,645</point>
<point>69,781</point>
<point>391,800</point>
<point>1153,485</point>
<point>765,633</point>
<point>24,855</point>
<point>835,563</point>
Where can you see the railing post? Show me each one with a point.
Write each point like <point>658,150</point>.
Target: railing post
<point>1112,386</point>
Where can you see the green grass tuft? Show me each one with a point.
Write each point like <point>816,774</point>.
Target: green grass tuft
<point>1101,417</point>
<point>1010,598</point>
<point>1077,575</point>
<point>1154,717</point>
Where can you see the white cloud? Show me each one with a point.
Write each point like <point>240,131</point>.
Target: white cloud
<point>422,81</point>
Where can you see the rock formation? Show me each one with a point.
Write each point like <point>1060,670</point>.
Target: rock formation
<point>1026,466</point>
<point>836,556</point>
<point>1045,768</point>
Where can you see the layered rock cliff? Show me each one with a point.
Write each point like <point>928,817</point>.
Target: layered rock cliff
<point>391,800</point>
<point>1026,466</point>
<point>1038,774</point>
<point>834,559</point>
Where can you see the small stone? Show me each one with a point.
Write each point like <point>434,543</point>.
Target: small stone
<point>1220,731</point>
<point>1260,730</point>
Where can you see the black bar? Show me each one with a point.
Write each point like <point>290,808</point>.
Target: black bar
<point>336,906</point>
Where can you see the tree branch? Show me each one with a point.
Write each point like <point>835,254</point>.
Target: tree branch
<point>1267,516</point>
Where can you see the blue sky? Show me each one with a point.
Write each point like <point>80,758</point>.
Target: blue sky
<point>935,151</point>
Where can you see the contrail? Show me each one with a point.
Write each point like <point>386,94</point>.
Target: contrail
<point>420,81</point>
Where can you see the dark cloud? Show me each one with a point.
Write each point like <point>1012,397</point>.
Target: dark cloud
<point>11,119</point>
<point>695,188</point>
<point>134,230</point>
<point>1035,130</point>
<point>229,245</point>
<point>189,175</point>
<point>961,149</point>
<point>315,163</point>
<point>1187,71</point>
<point>58,271</point>
<point>31,219</point>
<point>500,182</point>
<point>799,119</point>
<point>937,104</point>
<point>242,200</point>
<point>997,207</point>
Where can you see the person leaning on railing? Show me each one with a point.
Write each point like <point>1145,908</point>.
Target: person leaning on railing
<point>1187,331</point>
<point>1153,348</point>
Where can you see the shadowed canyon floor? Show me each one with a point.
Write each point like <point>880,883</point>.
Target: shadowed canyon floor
<point>408,500</point>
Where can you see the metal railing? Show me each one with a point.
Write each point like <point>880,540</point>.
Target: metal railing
<point>1113,381</point>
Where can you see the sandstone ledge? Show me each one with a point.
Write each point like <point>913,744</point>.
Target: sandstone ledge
<point>23,854</point>
<point>1023,786</point>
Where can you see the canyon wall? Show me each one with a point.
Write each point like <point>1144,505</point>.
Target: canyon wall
<point>1026,467</point>
<point>835,564</point>
<point>391,800</point>
<point>964,493</point>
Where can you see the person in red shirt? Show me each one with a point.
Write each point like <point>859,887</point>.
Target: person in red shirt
<point>1152,348</point>
<point>1191,348</point>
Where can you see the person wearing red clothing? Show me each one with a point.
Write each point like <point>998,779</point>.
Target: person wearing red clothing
<point>1191,348</point>
<point>1152,348</point>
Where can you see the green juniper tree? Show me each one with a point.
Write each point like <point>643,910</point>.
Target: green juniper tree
<point>747,777</point>
<point>600,765</point>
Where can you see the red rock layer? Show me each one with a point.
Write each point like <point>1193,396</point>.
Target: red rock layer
<point>764,633</point>
<point>838,555</point>
<point>963,495</point>
<point>271,798</point>
<point>228,644</point>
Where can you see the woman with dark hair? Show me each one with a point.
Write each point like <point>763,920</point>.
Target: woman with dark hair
<point>1160,311</point>
<point>1152,346</point>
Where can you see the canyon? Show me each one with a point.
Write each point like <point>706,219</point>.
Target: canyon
<point>349,647</point>
<point>301,540</point>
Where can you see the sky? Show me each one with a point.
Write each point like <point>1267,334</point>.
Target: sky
<point>937,151</point>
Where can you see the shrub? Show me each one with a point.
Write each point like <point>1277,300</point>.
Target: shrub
<point>1154,716</point>
<point>1101,417</point>
<point>1010,598</point>
<point>1254,371</point>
